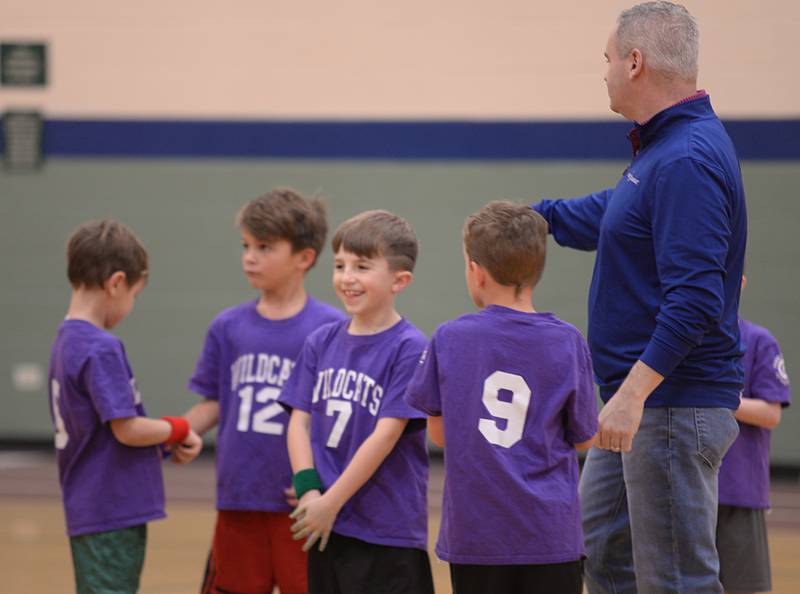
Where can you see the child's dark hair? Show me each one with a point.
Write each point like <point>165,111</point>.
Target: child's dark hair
<point>286,214</point>
<point>509,240</point>
<point>98,249</point>
<point>379,233</point>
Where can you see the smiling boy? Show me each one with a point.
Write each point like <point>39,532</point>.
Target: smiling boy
<point>357,449</point>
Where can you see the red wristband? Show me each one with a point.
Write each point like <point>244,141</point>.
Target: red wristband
<point>180,429</point>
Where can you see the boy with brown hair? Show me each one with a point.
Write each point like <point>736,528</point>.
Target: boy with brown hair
<point>510,397</point>
<point>249,352</point>
<point>109,465</point>
<point>357,450</point>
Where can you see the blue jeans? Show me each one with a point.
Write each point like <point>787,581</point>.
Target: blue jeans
<point>650,516</point>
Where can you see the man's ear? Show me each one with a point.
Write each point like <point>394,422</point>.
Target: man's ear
<point>635,63</point>
<point>402,278</point>
<point>114,282</point>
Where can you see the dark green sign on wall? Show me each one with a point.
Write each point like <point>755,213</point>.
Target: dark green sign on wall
<point>22,131</point>
<point>23,64</point>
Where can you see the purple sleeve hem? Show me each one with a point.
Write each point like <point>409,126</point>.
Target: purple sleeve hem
<point>202,391</point>
<point>417,403</point>
<point>123,413</point>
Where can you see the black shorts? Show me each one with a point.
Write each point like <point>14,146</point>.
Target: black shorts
<point>352,566</point>
<point>553,578</point>
<point>743,549</point>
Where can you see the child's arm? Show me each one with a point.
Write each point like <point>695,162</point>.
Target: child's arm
<point>203,416</point>
<point>316,516</point>
<point>298,440</point>
<point>143,432</point>
<point>436,430</point>
<point>585,445</point>
<point>301,457</point>
<point>760,413</point>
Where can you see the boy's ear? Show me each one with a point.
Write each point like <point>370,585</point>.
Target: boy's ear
<point>402,278</point>
<point>114,282</point>
<point>306,258</point>
<point>479,273</point>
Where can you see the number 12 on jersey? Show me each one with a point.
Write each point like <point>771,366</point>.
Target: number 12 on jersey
<point>514,412</point>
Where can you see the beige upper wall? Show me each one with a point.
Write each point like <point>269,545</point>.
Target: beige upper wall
<point>379,59</point>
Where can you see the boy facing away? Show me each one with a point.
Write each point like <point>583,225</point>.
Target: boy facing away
<point>744,473</point>
<point>109,464</point>
<point>510,397</point>
<point>357,449</point>
<point>249,353</point>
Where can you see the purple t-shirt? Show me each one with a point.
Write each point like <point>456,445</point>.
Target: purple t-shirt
<point>246,359</point>
<point>515,392</point>
<point>347,382</point>
<point>744,474</point>
<point>105,485</point>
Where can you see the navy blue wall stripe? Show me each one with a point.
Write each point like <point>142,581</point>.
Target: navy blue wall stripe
<point>388,140</point>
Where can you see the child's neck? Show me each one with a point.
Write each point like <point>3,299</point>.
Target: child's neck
<point>284,302</point>
<point>510,298</point>
<point>88,305</point>
<point>373,322</point>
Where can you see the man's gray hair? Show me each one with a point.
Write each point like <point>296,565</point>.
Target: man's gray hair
<point>665,33</point>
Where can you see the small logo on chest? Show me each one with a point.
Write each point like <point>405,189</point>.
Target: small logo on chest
<point>631,178</point>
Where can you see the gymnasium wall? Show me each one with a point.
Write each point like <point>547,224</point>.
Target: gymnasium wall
<point>169,116</point>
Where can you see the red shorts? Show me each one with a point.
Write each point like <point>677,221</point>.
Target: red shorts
<point>252,552</point>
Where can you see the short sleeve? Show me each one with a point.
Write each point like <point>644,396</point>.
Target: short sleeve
<point>299,390</point>
<point>581,407</point>
<point>769,379</point>
<point>423,391</point>
<point>393,404</point>
<point>206,376</point>
<point>108,380</point>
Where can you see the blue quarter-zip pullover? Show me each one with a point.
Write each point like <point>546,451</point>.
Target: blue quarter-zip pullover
<point>670,241</point>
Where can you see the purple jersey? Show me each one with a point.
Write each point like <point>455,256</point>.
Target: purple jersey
<point>245,361</point>
<point>347,382</point>
<point>105,485</point>
<point>515,392</point>
<point>744,474</point>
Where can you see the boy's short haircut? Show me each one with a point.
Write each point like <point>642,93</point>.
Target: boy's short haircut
<point>285,214</point>
<point>379,233</point>
<point>98,249</point>
<point>509,240</point>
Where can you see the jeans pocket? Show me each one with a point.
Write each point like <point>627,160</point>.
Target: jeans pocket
<point>716,431</point>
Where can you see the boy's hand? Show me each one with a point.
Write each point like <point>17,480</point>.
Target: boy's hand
<point>188,450</point>
<point>315,515</point>
<point>291,496</point>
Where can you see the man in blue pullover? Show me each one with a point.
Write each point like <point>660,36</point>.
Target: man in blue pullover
<point>663,330</point>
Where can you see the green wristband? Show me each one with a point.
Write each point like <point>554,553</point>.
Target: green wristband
<point>306,480</point>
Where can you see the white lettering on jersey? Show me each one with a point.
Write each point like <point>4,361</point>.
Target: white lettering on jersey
<point>348,384</point>
<point>260,368</point>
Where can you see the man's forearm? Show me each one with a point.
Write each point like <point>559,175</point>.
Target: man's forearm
<point>640,382</point>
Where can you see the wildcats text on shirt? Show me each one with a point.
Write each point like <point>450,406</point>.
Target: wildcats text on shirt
<point>351,385</point>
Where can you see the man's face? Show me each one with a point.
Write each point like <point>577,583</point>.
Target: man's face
<point>616,77</point>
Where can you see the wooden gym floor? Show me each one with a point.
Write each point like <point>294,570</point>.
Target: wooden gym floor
<point>35,558</point>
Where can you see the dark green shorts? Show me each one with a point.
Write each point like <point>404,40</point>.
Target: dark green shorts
<point>743,550</point>
<point>109,562</point>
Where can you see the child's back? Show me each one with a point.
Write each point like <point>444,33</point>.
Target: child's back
<point>514,390</point>
<point>509,395</point>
